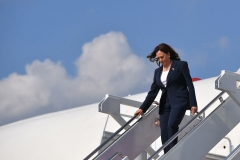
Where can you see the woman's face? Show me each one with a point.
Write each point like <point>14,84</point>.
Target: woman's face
<point>163,58</point>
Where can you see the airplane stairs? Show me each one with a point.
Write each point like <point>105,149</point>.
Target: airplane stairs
<point>197,135</point>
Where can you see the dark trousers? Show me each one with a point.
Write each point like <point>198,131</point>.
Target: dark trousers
<point>170,119</point>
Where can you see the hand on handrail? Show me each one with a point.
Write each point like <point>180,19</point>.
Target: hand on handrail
<point>139,112</point>
<point>194,110</point>
<point>156,103</point>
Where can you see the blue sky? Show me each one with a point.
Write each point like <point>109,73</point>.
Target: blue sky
<point>50,49</point>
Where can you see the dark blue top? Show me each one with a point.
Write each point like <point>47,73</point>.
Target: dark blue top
<point>179,90</point>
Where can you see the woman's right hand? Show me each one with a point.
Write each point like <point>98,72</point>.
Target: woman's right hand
<point>138,112</point>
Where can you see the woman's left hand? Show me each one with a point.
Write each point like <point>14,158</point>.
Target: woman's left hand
<point>194,109</point>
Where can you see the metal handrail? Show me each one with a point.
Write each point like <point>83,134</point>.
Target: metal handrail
<point>117,154</point>
<point>108,140</point>
<point>186,125</point>
<point>230,143</point>
<point>118,131</point>
<point>233,153</point>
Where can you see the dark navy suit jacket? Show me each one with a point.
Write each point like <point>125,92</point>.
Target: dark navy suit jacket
<point>179,91</point>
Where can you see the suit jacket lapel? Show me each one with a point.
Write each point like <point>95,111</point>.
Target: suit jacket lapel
<point>171,71</point>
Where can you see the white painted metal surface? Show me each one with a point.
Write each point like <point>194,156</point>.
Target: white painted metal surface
<point>210,131</point>
<point>213,128</point>
<point>57,136</point>
<point>74,133</point>
<point>141,135</point>
<point>235,154</point>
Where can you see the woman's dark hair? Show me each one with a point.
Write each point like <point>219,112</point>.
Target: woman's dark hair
<point>164,48</point>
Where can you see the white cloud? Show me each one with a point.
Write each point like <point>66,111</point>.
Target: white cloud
<point>223,42</point>
<point>108,62</point>
<point>107,65</point>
